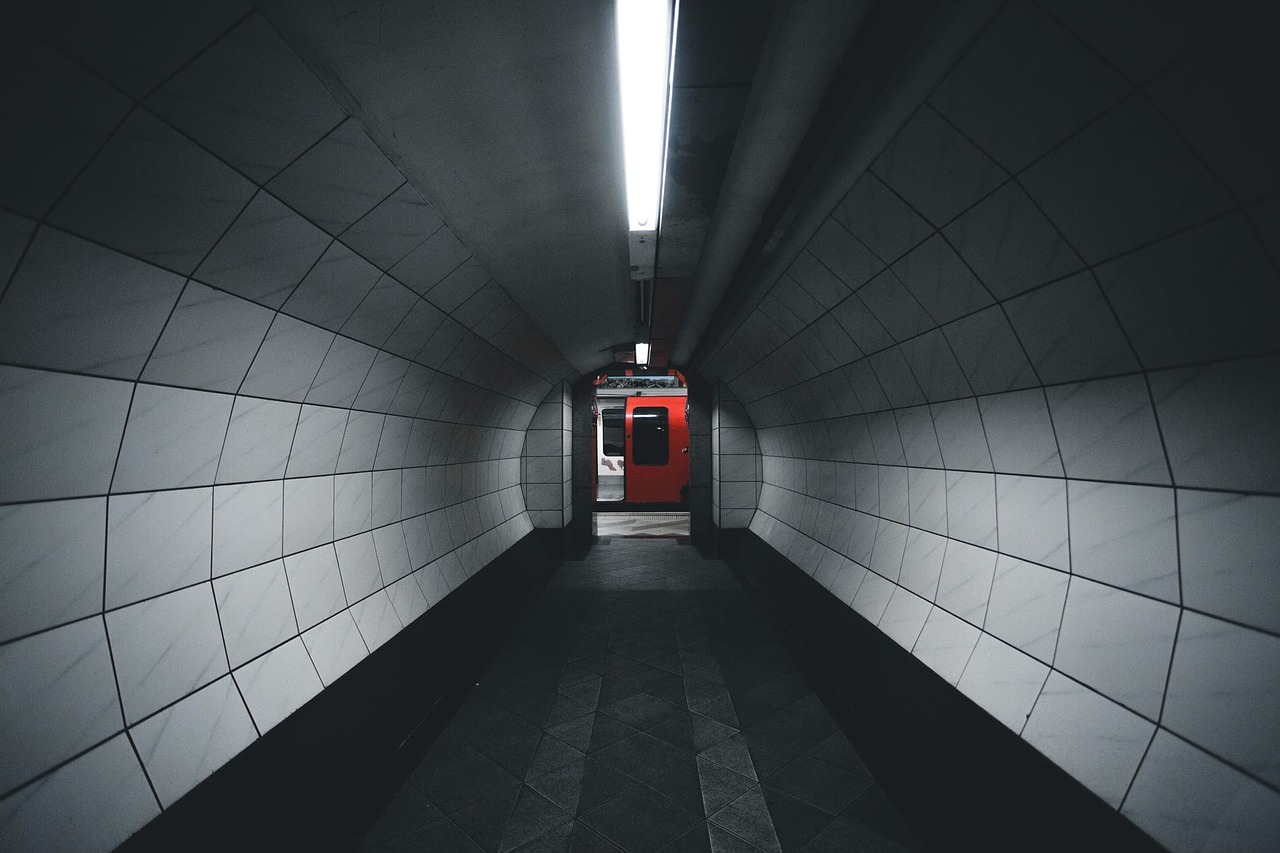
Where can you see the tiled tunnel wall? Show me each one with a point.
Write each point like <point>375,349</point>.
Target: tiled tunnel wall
<point>1018,406</point>
<point>253,419</point>
<point>735,462</point>
<point>547,458</point>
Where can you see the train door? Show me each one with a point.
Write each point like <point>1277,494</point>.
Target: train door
<point>657,450</point>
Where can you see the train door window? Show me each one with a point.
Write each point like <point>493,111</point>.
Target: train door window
<point>614,424</point>
<point>649,435</point>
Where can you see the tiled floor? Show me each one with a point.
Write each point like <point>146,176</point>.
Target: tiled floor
<point>666,524</point>
<point>641,705</point>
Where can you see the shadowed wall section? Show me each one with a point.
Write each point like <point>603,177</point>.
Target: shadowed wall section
<point>1017,405</point>
<point>253,420</point>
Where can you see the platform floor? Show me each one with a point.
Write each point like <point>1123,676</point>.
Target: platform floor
<point>643,704</point>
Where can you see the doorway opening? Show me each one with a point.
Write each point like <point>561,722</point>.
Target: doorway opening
<point>641,441</point>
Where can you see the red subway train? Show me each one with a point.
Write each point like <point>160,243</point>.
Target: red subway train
<point>642,438</point>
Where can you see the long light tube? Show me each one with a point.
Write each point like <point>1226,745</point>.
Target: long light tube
<point>644,71</point>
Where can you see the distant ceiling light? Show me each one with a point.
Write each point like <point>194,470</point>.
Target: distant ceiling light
<point>642,354</point>
<point>645,35</point>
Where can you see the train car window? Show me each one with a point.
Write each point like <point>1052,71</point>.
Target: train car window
<point>613,422</point>
<point>649,435</point>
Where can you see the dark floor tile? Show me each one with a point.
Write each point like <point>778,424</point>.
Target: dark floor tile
<point>721,709</point>
<point>607,731</point>
<point>777,692</point>
<point>587,840</point>
<point>795,822</point>
<point>533,816</point>
<point>837,750</point>
<point>734,754</point>
<point>873,810</point>
<point>575,732</point>
<point>822,785</point>
<point>841,836</point>
<point>669,688</point>
<point>556,840</point>
<point>447,750</point>
<point>792,729</point>
<point>515,757</point>
<point>408,810</point>
<point>681,784</point>
<point>585,692</point>
<point>720,785</point>
<point>724,841</point>
<point>550,754</point>
<point>483,821</point>
<point>770,756</point>
<point>462,783</point>
<point>580,786</point>
<point>642,756</point>
<point>493,730</point>
<point>575,674</point>
<point>708,732</point>
<point>809,705</point>
<point>640,820</point>
<point>748,818</point>
<point>695,840</point>
<point>442,835</point>
<point>677,730</point>
<point>641,710</point>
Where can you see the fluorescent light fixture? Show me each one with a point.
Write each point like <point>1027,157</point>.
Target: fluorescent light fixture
<point>642,354</point>
<point>644,69</point>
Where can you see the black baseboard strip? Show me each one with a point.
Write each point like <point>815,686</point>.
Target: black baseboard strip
<point>319,779</point>
<point>959,777</point>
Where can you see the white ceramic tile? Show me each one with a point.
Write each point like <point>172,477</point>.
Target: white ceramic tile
<point>382,382</point>
<point>1095,740</point>
<point>258,441</point>
<point>1026,606</point>
<point>308,513</point>
<point>894,499</point>
<point>59,697</point>
<point>945,644</point>
<point>1003,680</point>
<point>50,563</point>
<point>173,439</point>
<point>376,619</point>
<point>255,610</point>
<point>393,554</point>
<point>1224,693</point>
<point>965,585</point>
<point>185,743</point>
<point>341,373</point>
<point>278,683</point>
<point>1118,643</point>
<point>248,522</point>
<point>1020,433</point>
<point>1125,536</point>
<point>1221,424</point>
<point>360,441</point>
<point>1107,431</point>
<point>317,441</point>
<point>431,581</point>
<point>904,617</point>
<point>971,507</point>
<point>93,803</point>
<point>873,597</point>
<point>927,491</point>
<point>922,563</point>
<point>417,534</point>
<point>358,561</point>
<point>157,542</point>
<point>165,648</point>
<point>962,442</point>
<point>209,342</point>
<point>989,353</point>
<point>154,194</point>
<point>335,646</point>
<point>76,306</point>
<point>886,555</point>
<point>59,434</point>
<point>1228,545</point>
<point>333,288</point>
<point>352,503</point>
<point>407,599</point>
<point>1188,800</point>
<point>393,442</point>
<point>288,360</point>
<point>315,584</point>
<point>1032,516</point>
